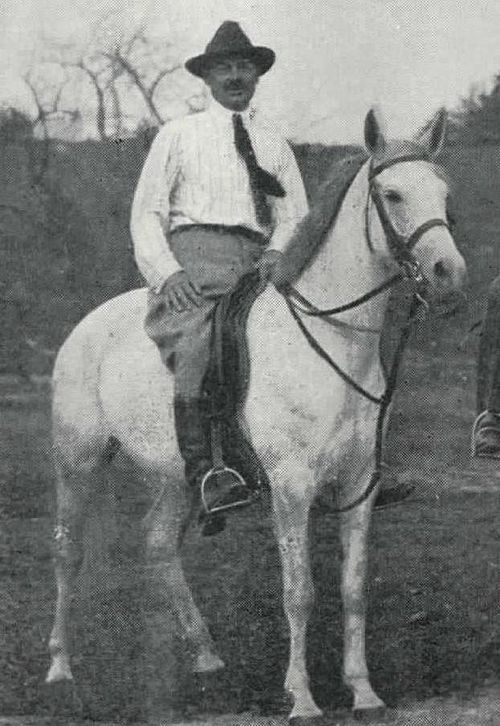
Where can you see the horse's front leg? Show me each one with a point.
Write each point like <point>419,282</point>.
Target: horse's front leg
<point>292,497</point>
<point>166,577</point>
<point>355,526</point>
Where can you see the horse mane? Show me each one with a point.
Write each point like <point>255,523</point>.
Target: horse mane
<point>310,233</point>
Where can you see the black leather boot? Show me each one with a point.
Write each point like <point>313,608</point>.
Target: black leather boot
<point>193,436</point>
<point>193,426</point>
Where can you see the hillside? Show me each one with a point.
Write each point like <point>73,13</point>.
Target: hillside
<point>66,245</point>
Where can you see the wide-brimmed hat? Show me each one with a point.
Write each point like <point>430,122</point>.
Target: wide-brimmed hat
<point>230,40</point>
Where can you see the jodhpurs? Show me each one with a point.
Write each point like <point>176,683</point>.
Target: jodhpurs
<point>215,258</point>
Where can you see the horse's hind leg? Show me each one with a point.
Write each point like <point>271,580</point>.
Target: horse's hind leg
<point>75,481</point>
<point>167,578</point>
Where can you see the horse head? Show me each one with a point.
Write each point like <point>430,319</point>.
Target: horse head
<point>406,214</point>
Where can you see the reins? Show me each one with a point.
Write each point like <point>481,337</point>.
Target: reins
<point>308,308</point>
<point>401,250</point>
<point>324,355</point>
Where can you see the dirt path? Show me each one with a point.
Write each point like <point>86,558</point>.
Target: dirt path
<point>483,710</point>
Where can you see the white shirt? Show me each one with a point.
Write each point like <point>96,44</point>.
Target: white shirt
<point>194,175</point>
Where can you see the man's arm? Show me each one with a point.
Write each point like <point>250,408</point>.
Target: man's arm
<point>289,210</point>
<point>150,211</point>
<point>287,213</point>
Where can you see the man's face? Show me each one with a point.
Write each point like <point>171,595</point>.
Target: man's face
<point>232,81</point>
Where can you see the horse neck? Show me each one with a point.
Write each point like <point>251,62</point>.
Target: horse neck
<point>345,268</point>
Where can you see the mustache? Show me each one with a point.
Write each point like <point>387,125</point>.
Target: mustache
<point>234,85</point>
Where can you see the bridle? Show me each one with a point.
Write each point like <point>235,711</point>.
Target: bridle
<point>401,249</point>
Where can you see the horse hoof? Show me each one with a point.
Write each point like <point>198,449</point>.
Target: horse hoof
<point>59,672</point>
<point>377,714</point>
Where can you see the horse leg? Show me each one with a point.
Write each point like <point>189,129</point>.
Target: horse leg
<point>166,575</point>
<point>354,534</point>
<point>291,503</point>
<point>73,490</point>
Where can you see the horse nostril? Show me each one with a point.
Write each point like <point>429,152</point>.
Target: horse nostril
<point>440,269</point>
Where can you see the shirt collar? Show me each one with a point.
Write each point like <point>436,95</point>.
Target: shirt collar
<point>226,115</point>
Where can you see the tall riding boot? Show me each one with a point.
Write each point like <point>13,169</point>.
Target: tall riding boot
<point>193,436</point>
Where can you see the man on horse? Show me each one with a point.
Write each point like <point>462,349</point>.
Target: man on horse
<point>219,196</point>
<point>486,431</point>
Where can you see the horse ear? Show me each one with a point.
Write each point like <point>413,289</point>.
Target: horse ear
<point>434,132</point>
<point>374,137</point>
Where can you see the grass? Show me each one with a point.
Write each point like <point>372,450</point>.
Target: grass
<point>434,620</point>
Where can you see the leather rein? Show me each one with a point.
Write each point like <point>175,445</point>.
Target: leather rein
<point>401,249</point>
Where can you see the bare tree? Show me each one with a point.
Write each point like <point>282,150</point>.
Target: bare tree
<point>129,77</point>
<point>46,90</point>
<point>95,79</point>
<point>102,74</point>
<point>147,65</point>
<point>88,64</point>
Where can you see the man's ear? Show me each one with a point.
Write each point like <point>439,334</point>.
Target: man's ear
<point>374,135</point>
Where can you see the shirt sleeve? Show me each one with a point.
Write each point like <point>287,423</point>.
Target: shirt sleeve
<point>290,209</point>
<point>151,207</point>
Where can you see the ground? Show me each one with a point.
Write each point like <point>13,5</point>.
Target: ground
<point>433,638</point>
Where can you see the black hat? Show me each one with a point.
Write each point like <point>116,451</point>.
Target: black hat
<point>231,40</point>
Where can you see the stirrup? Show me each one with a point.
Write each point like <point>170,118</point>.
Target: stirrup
<point>214,472</point>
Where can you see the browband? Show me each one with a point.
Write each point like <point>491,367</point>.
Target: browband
<point>378,168</point>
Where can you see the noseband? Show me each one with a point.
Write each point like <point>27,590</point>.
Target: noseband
<point>401,249</point>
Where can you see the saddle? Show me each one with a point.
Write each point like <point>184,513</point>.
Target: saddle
<point>225,384</point>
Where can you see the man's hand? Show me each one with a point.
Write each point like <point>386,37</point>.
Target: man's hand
<point>180,292</point>
<point>271,269</point>
<point>267,264</point>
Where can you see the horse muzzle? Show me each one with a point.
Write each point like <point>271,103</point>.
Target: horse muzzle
<point>444,269</point>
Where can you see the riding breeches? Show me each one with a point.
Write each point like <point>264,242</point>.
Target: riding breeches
<point>488,368</point>
<point>215,258</point>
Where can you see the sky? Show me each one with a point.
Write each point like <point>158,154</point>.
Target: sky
<point>335,58</point>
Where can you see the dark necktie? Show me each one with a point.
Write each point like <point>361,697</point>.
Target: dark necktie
<point>261,181</point>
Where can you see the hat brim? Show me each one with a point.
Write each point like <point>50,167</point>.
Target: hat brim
<point>261,56</point>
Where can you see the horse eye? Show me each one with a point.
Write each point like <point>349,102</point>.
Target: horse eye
<point>392,196</point>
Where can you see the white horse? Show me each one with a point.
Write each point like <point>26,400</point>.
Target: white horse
<point>306,423</point>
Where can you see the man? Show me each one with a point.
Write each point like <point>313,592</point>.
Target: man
<point>486,430</point>
<point>219,196</point>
